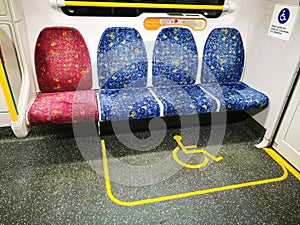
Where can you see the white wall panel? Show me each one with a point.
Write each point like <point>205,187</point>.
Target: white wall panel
<point>40,14</point>
<point>271,63</point>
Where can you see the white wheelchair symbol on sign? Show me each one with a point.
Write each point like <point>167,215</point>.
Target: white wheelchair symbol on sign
<point>284,15</point>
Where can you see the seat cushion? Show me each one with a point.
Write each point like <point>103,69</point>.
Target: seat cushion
<point>122,59</point>
<point>62,60</point>
<point>175,57</point>
<point>223,56</point>
<point>123,104</point>
<point>63,107</point>
<point>184,100</point>
<point>237,96</point>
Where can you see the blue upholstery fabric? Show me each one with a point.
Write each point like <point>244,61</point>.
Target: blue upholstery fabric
<point>175,65</point>
<point>184,100</point>
<point>223,56</point>
<point>237,96</point>
<point>121,59</point>
<point>222,67</point>
<point>175,58</point>
<point>127,103</point>
<point>122,71</point>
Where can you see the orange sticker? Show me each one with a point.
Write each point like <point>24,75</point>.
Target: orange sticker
<point>197,24</point>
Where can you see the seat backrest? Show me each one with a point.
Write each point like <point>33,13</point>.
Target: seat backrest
<point>122,59</point>
<point>175,57</point>
<point>223,56</point>
<point>62,60</point>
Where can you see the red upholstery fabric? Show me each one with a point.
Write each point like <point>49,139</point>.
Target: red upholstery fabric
<point>64,75</point>
<point>63,107</point>
<point>62,60</point>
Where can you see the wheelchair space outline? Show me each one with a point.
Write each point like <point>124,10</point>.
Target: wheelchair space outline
<point>192,150</point>
<point>276,157</point>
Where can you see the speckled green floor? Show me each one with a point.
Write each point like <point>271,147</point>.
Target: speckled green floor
<point>50,178</point>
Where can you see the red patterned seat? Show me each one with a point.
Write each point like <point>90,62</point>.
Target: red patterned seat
<point>64,76</point>
<point>63,107</point>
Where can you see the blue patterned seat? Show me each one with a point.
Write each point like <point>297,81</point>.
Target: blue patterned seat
<point>127,103</point>
<point>222,67</point>
<point>122,72</point>
<point>123,68</point>
<point>175,65</point>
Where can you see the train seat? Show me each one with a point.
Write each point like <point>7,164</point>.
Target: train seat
<point>124,79</point>
<point>222,67</point>
<point>64,76</point>
<point>122,72</point>
<point>175,66</point>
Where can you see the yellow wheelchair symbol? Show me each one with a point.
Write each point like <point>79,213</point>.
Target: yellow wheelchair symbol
<point>192,150</point>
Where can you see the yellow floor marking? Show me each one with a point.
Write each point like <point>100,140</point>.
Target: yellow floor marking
<point>190,166</point>
<point>186,150</point>
<point>281,162</point>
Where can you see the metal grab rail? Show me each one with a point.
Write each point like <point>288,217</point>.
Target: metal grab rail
<point>61,3</point>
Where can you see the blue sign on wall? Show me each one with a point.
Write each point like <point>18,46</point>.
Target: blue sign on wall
<point>283,21</point>
<point>284,15</point>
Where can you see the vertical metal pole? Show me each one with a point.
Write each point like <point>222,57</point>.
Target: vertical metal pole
<point>4,82</point>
